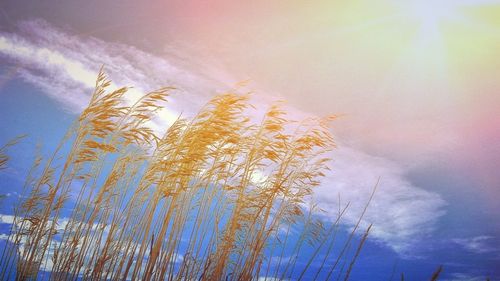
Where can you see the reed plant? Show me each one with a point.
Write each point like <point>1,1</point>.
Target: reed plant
<point>215,197</point>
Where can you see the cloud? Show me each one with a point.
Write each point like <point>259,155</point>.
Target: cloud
<point>60,227</point>
<point>465,277</point>
<point>6,219</point>
<point>267,278</point>
<point>402,213</point>
<point>64,66</point>
<point>477,244</point>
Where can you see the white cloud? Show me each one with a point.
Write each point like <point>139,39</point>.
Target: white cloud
<point>464,277</point>
<point>401,212</point>
<point>7,219</point>
<point>264,278</point>
<point>62,222</point>
<point>64,66</point>
<point>477,244</point>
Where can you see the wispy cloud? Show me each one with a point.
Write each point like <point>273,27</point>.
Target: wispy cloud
<point>478,244</point>
<point>47,263</point>
<point>64,66</point>
<point>464,277</point>
<point>267,278</point>
<point>401,212</point>
<point>6,219</point>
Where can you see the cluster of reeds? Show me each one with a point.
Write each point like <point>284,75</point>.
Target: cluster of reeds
<point>215,198</point>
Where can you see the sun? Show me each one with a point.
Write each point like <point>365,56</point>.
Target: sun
<point>429,24</point>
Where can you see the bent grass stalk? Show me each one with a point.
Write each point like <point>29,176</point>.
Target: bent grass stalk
<point>181,206</point>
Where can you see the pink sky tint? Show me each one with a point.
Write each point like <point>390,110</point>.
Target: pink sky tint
<point>413,84</point>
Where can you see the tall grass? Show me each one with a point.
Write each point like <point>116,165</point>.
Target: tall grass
<point>215,197</point>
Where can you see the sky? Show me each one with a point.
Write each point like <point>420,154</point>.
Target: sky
<point>415,83</point>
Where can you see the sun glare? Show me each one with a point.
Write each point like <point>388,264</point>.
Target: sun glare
<point>433,21</point>
<point>430,14</point>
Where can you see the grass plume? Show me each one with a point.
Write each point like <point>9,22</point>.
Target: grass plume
<point>206,200</point>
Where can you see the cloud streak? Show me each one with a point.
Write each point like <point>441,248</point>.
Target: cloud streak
<point>64,66</point>
<point>402,213</point>
<point>477,244</point>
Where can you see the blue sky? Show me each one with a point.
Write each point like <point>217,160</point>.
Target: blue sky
<point>433,206</point>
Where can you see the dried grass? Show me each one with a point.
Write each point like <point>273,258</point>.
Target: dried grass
<point>144,201</point>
